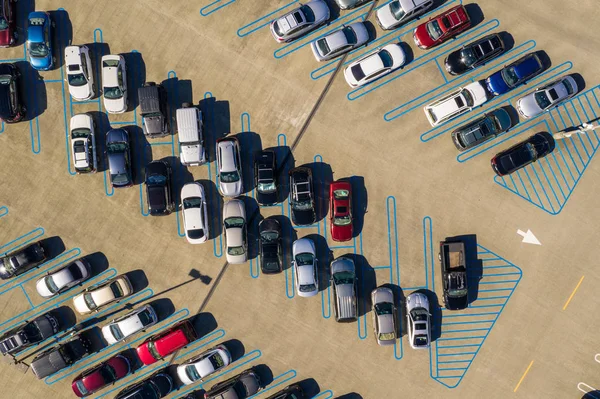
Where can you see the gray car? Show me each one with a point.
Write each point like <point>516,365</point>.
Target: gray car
<point>300,21</point>
<point>482,129</point>
<point>343,281</point>
<point>340,41</point>
<point>241,386</point>
<point>118,156</point>
<point>384,315</point>
<point>347,4</point>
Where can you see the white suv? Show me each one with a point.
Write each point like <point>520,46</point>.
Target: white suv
<point>80,74</point>
<point>83,143</point>
<point>456,103</point>
<point>123,327</point>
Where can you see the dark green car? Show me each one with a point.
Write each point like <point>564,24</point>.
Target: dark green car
<point>482,129</point>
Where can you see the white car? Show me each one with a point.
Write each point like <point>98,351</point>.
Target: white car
<point>375,65</point>
<point>83,143</point>
<point>234,226</point>
<point>398,12</point>
<point>456,103</point>
<point>203,365</point>
<point>418,319</point>
<point>300,21</point>
<point>80,73</point>
<point>97,296</point>
<point>114,83</point>
<point>304,261</point>
<point>340,41</point>
<point>547,97</point>
<point>229,167</point>
<point>125,326</point>
<point>63,279</point>
<point>195,213</point>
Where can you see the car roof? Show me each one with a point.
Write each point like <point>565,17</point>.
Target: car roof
<point>306,274</point>
<point>527,65</point>
<point>227,155</point>
<point>73,55</point>
<point>110,73</point>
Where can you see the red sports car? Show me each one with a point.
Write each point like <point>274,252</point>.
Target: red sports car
<point>167,342</point>
<point>442,27</point>
<point>100,376</point>
<point>340,198</point>
<point>8,29</point>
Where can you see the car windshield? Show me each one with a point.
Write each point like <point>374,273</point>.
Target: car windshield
<point>113,148</point>
<point>269,236</point>
<point>81,388</point>
<point>468,97</point>
<point>350,35</point>
<point>304,259</point>
<point>89,301</point>
<point>421,340</point>
<point>468,56</point>
<point>383,308</point>
<point>457,293</point>
<point>302,205</point>
<point>216,361</point>
<point>397,10</point>
<point>235,251</point>
<point>116,332</point>
<point>80,133</point>
<point>307,288</point>
<point>192,202</point>
<point>119,178</point>
<point>343,278</point>
<point>266,187</point>
<point>386,59</point>
<point>113,93</point>
<point>342,220</point>
<point>192,373</point>
<point>542,99</point>
<point>153,351</point>
<point>108,373</point>
<point>145,317</point>
<point>229,177</point>
<point>308,13</point>
<point>341,194</point>
<point>156,180</point>
<point>434,29</point>
<point>77,79</point>
<point>510,76</point>
<point>233,222</point>
<point>357,72</point>
<point>387,336</point>
<point>116,290</point>
<point>323,46</point>
<point>37,49</point>
<point>52,287</point>
<point>568,86</point>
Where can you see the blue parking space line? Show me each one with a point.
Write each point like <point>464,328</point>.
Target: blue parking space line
<point>260,22</point>
<point>28,299</point>
<point>2,127</point>
<point>277,381</point>
<point>346,19</point>
<point>324,395</point>
<point>326,315</point>
<point>456,354</point>
<point>3,211</point>
<point>214,6</point>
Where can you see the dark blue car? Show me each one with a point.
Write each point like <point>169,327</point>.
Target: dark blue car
<point>39,40</point>
<point>514,74</point>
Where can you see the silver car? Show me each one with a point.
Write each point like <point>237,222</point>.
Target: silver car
<point>347,4</point>
<point>418,318</point>
<point>234,226</point>
<point>547,97</point>
<point>125,326</point>
<point>229,167</point>
<point>300,21</point>
<point>340,41</point>
<point>304,261</point>
<point>343,281</point>
<point>384,315</point>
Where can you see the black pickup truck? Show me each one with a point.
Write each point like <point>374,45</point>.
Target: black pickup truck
<point>454,274</point>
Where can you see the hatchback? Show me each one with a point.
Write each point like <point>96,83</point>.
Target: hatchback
<point>340,41</point>
<point>101,375</point>
<point>234,226</point>
<point>118,155</point>
<point>522,154</point>
<point>39,40</point>
<point>229,167</point>
<point>12,108</point>
<point>66,277</point>
<point>204,364</point>
<point>195,213</point>
<point>158,188</point>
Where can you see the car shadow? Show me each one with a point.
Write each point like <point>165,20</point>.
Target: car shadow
<point>138,279</point>
<point>133,358</point>
<point>22,10</point>
<point>163,307</point>
<point>595,394</point>
<point>310,387</point>
<point>322,178</point>
<point>545,59</point>
<point>253,218</point>
<point>217,123</point>
<point>264,374</point>
<point>351,395</point>
<point>366,282</point>
<point>53,246</point>
<point>136,76</point>
<point>334,11</point>
<point>508,40</point>
<point>98,263</point>
<point>179,91</point>
<point>475,14</point>
<point>408,52</point>
<point>579,80</point>
<point>66,317</point>
<point>288,236</point>
<point>102,126</point>
<point>141,152</point>
<point>97,51</point>
<point>204,323</point>
<point>236,349</point>
<point>62,35</point>
<point>324,258</point>
<point>32,90</point>
<point>250,145</point>
<point>94,336</point>
<point>180,176</point>
<point>285,163</point>
<point>185,92</point>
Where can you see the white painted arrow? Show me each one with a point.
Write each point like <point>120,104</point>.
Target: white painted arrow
<point>529,238</point>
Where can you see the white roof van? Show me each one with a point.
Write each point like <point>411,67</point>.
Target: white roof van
<point>191,135</point>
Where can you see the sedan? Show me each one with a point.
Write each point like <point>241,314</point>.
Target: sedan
<point>375,65</point>
<point>125,326</point>
<point>8,23</point>
<point>158,188</point>
<point>269,246</point>
<point>340,41</point>
<point>83,143</point>
<point>64,278</point>
<point>418,319</point>
<point>482,129</point>
<point>19,261</point>
<point>265,176</point>
<point>204,364</point>
<point>234,226</point>
<point>384,315</point>
<point>229,167</point>
<point>12,107</point>
<point>300,21</point>
<point>340,198</point>
<point>195,213</point>
<point>348,4</point>
<point>157,386</point>
<point>101,375</point>
<point>547,97</point>
<point>39,40</point>
<point>442,27</point>
<point>118,154</point>
<point>166,342</point>
<point>474,54</point>
<point>304,261</point>
<point>397,12</point>
<point>515,74</point>
<point>80,74</point>
<point>95,297</point>
<point>114,83</point>
<point>522,154</point>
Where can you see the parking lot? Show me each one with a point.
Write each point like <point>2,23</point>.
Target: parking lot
<point>530,328</point>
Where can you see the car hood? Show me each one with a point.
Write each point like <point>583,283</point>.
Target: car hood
<point>115,105</point>
<point>303,217</point>
<point>154,124</point>
<point>341,233</point>
<point>342,265</point>
<point>496,85</point>
<point>527,105</point>
<point>116,162</point>
<point>144,354</point>
<point>303,245</point>
<point>417,300</point>
<point>453,62</point>
<point>231,189</point>
<point>266,198</point>
<point>382,295</point>
<point>41,62</point>
<point>422,36</point>
<point>81,92</point>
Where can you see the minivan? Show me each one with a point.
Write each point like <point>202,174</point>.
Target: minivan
<point>343,281</point>
<point>153,107</point>
<point>190,130</point>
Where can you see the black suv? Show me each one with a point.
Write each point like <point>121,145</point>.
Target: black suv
<point>158,188</point>
<point>153,107</point>
<point>61,356</point>
<point>271,253</point>
<point>301,196</point>
<point>28,334</point>
<point>265,176</point>
<point>291,392</point>
<point>11,102</point>
<point>474,54</point>
<point>21,260</point>
<point>157,386</point>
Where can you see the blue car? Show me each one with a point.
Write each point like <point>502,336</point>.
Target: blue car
<point>514,74</point>
<point>39,40</point>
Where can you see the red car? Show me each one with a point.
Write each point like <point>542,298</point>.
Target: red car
<point>8,31</point>
<point>167,342</point>
<point>340,214</point>
<point>442,27</point>
<point>98,377</point>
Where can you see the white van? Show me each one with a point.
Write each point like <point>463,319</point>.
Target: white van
<point>191,135</point>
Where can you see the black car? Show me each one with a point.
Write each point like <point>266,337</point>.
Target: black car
<point>157,386</point>
<point>153,107</point>
<point>265,176</point>
<point>28,334</point>
<point>474,54</point>
<point>271,253</point>
<point>11,101</point>
<point>21,260</point>
<point>241,386</point>
<point>118,155</point>
<point>522,154</point>
<point>291,392</point>
<point>60,357</point>
<point>158,188</point>
<point>482,129</point>
<point>301,196</point>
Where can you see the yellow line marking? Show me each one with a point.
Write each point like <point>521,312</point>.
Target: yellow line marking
<point>522,378</point>
<point>573,293</point>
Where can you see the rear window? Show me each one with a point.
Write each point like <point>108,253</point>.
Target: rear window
<point>357,72</point>
<point>350,35</point>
